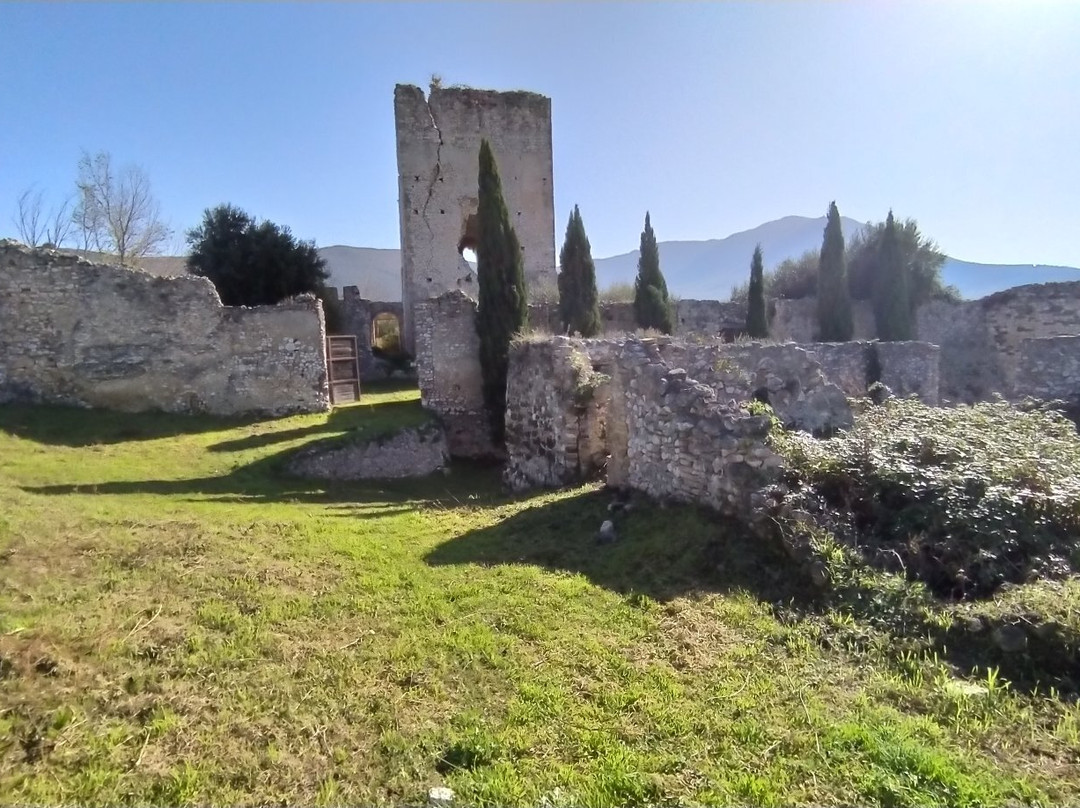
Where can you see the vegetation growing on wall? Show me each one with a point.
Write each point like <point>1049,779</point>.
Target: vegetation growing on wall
<point>502,311</point>
<point>795,278</point>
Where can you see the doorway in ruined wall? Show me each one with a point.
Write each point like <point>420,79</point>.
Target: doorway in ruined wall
<point>386,333</point>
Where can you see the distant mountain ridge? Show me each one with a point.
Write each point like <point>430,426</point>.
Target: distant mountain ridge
<point>704,270</point>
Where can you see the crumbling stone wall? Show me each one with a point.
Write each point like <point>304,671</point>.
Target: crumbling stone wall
<point>796,320</point>
<point>407,453</point>
<point>1049,369</point>
<point>682,441</point>
<point>555,414</point>
<point>981,340</point>
<point>671,414</point>
<point>75,332</point>
<point>438,147</point>
<point>788,377</point>
<point>1024,313</point>
<point>359,315</point>
<point>711,318</point>
<point>450,377</point>
<point>703,317</point>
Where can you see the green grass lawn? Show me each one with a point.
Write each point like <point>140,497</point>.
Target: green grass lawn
<point>181,624</point>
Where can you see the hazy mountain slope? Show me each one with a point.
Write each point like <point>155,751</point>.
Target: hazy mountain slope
<point>709,269</point>
<point>978,280</point>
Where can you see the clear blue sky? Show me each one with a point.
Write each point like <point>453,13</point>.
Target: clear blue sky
<point>716,117</point>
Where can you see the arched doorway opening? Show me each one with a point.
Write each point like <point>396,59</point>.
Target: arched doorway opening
<point>386,333</point>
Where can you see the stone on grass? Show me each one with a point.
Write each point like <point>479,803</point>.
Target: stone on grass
<point>440,796</point>
<point>606,534</point>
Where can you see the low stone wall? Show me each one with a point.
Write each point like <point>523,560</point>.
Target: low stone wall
<point>74,332</point>
<point>448,370</point>
<point>981,340</point>
<point>408,453</point>
<point>681,441</point>
<point>710,318</point>
<point>788,377</point>
<point>910,369</point>
<point>704,317</point>
<point>675,418</point>
<point>796,320</point>
<point>556,414</point>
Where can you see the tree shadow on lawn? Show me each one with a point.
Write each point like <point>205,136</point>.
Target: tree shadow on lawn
<point>661,552</point>
<point>58,425</point>
<point>351,421</point>
<point>666,552</point>
<point>263,481</point>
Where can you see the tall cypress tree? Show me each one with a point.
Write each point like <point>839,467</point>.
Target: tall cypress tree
<point>579,302</point>
<point>835,322</point>
<point>757,325</point>
<point>503,305</point>
<point>652,305</point>
<point>892,289</point>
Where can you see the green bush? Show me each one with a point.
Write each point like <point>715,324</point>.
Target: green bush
<point>964,499</point>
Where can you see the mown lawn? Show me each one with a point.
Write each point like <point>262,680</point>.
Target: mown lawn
<point>180,624</point>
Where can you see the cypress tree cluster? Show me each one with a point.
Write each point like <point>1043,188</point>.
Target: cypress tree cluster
<point>757,325</point>
<point>652,305</point>
<point>503,305</point>
<point>892,289</point>
<point>579,302</point>
<point>835,323</point>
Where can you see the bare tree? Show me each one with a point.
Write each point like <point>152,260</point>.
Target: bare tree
<point>117,213</point>
<point>59,226</point>
<point>28,217</point>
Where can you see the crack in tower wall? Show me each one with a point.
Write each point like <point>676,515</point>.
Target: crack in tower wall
<point>438,143</point>
<point>437,173</point>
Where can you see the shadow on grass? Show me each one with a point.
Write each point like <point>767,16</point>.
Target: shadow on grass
<point>77,426</point>
<point>660,552</point>
<point>263,481</point>
<point>350,421</point>
<point>58,425</point>
<point>665,553</point>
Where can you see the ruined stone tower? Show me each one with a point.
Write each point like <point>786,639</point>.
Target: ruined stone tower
<point>438,148</point>
<point>438,152</point>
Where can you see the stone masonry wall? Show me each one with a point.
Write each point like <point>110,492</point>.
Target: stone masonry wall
<point>787,376</point>
<point>981,340</point>
<point>1023,313</point>
<point>704,317</point>
<point>555,414</point>
<point>448,370</point>
<point>407,453</point>
<point>575,406</point>
<point>88,334</point>
<point>682,441</point>
<point>1049,368</point>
